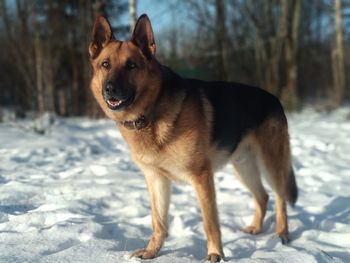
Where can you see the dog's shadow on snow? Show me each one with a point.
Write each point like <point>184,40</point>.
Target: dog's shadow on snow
<point>337,211</point>
<point>112,231</point>
<point>196,250</point>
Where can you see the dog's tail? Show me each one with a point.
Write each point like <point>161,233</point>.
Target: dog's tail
<point>291,188</point>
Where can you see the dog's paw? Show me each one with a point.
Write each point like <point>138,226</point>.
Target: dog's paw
<point>284,238</point>
<point>143,254</point>
<point>252,230</point>
<point>213,257</point>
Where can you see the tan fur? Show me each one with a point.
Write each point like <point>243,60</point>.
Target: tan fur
<point>256,156</point>
<point>159,190</point>
<point>246,170</point>
<point>176,146</point>
<point>273,141</point>
<point>203,182</point>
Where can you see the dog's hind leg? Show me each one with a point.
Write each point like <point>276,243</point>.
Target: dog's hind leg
<point>274,161</point>
<point>247,172</point>
<point>159,189</point>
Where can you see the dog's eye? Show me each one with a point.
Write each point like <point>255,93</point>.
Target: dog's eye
<point>105,64</point>
<point>130,65</point>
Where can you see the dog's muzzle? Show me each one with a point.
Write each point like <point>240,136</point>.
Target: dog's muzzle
<point>116,98</point>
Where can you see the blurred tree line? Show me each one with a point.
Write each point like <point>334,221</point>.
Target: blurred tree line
<point>295,49</point>
<point>44,61</point>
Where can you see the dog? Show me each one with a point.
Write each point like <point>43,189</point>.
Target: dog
<point>185,129</point>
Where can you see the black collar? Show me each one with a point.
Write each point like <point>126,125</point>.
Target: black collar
<point>138,124</point>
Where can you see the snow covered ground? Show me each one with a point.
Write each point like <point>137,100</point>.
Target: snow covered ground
<point>74,195</point>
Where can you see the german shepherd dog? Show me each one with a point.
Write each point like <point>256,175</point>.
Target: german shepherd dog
<point>184,129</point>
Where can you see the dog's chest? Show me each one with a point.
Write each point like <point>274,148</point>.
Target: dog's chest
<point>174,151</point>
<point>172,162</point>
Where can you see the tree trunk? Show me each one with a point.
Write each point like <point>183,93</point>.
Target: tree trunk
<point>268,43</point>
<point>75,85</point>
<point>87,15</point>
<point>290,92</point>
<point>38,59</point>
<point>94,111</point>
<point>132,14</point>
<point>62,99</point>
<point>338,57</point>
<point>48,78</point>
<point>49,65</point>
<point>222,41</point>
<point>50,85</point>
<point>258,61</point>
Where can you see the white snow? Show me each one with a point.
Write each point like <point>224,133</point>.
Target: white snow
<point>74,195</point>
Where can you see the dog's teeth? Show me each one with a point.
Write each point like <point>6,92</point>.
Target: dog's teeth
<point>114,103</point>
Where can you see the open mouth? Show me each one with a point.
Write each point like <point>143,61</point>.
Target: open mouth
<point>114,102</point>
<point>119,104</point>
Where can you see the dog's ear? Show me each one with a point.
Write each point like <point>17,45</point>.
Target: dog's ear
<point>143,36</point>
<point>101,35</point>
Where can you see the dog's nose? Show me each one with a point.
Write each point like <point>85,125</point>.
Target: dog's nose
<point>111,89</point>
<point>108,89</point>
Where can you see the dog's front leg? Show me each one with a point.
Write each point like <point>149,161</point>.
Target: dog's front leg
<point>159,191</point>
<point>203,183</point>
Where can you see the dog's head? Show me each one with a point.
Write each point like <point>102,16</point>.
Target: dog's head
<point>126,75</point>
